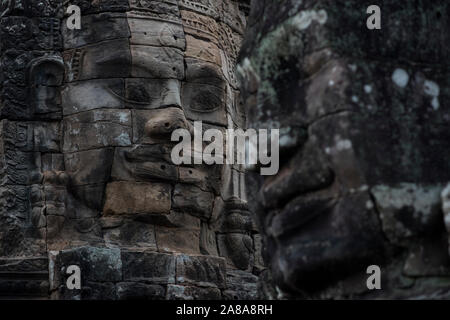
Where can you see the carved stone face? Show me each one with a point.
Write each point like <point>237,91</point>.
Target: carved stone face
<point>362,140</point>
<point>86,178</point>
<point>132,79</point>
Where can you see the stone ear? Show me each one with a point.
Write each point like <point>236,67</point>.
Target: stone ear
<point>45,76</point>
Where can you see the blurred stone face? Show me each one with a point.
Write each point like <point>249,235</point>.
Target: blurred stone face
<point>362,116</point>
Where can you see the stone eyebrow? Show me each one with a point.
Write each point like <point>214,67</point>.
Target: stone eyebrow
<point>205,73</point>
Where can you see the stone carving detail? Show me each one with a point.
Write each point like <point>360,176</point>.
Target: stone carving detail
<point>85,169</point>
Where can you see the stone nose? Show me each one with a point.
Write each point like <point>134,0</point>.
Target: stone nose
<point>165,121</point>
<point>171,95</point>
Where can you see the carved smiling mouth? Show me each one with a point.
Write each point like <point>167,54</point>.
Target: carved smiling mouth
<point>154,163</point>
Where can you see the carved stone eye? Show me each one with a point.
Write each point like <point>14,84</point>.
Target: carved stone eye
<point>138,93</point>
<point>135,93</point>
<point>207,100</point>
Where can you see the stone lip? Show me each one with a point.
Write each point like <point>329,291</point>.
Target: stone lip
<point>137,198</point>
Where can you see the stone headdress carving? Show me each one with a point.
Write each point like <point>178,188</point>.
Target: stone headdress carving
<point>159,10</point>
<point>221,22</point>
<point>36,8</point>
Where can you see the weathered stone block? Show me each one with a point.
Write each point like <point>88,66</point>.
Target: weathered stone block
<point>14,200</point>
<point>235,220</point>
<point>160,123</point>
<point>99,291</point>
<point>408,210</point>
<point>445,197</point>
<point>45,8</point>
<point>201,271</point>
<point>29,136</point>
<point>233,15</point>
<point>89,291</point>
<point>25,33</point>
<point>194,200</point>
<point>204,102</point>
<point>428,258</point>
<point>97,129</point>
<point>143,163</point>
<point>101,27</point>
<point>131,235</point>
<point>96,265</point>
<point>213,10</point>
<point>207,178</point>
<point>200,25</point>
<point>176,292</point>
<point>20,168</point>
<point>241,286</point>
<point>166,10</point>
<point>52,162</point>
<point>202,72</point>
<point>77,233</point>
<point>258,245</point>
<point>150,32</point>
<point>146,171</point>
<point>37,265</point>
<point>47,137</point>
<point>14,102</point>
<point>176,220</point>
<point>18,238</point>
<point>157,63</point>
<point>11,289</point>
<point>140,291</point>
<point>89,167</point>
<point>21,277</point>
<point>208,242</point>
<point>14,68</point>
<point>91,196</point>
<point>55,223</point>
<point>92,94</point>
<point>135,198</point>
<point>178,240</point>
<point>38,218</point>
<point>78,90</point>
